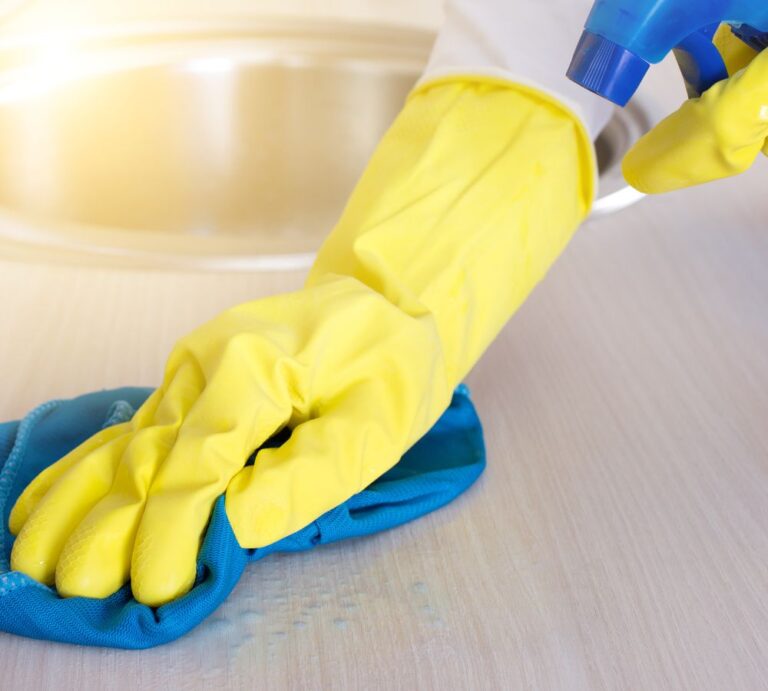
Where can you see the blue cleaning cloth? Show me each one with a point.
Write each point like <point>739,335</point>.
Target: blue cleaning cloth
<point>444,463</point>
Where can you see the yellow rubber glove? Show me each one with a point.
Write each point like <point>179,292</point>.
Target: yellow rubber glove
<point>715,136</point>
<point>468,200</point>
<point>357,378</point>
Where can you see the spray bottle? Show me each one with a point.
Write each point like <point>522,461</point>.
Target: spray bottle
<point>622,38</point>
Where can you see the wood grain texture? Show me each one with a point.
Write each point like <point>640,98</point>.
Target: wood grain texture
<point>618,540</point>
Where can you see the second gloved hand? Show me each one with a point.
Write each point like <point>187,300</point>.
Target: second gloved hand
<point>357,380</point>
<point>715,136</point>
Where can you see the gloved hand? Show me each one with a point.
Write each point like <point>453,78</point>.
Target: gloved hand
<point>715,136</point>
<point>470,197</point>
<point>357,379</point>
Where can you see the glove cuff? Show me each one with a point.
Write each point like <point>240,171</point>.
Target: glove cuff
<point>526,42</point>
<point>589,156</point>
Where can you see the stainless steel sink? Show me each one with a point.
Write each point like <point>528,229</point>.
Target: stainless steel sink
<point>232,148</point>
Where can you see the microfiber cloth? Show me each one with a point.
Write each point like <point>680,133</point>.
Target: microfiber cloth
<point>444,463</point>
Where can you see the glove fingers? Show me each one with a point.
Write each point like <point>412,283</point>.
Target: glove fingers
<point>712,137</point>
<point>211,447</point>
<point>39,487</point>
<point>42,537</point>
<point>735,53</point>
<point>96,559</point>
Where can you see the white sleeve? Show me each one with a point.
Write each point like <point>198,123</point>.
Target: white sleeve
<point>526,41</point>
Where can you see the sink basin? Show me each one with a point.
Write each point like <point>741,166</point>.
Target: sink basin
<point>220,148</point>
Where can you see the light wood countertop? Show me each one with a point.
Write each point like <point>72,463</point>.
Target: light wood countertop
<point>618,539</point>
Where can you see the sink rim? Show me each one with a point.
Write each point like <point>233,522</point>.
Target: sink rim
<point>176,44</point>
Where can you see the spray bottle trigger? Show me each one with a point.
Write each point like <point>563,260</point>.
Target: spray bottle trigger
<point>700,61</point>
<point>754,38</point>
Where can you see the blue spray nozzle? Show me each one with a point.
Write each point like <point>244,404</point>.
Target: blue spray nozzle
<point>623,37</point>
<point>606,68</point>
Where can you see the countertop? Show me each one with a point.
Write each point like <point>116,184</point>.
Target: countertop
<point>618,539</point>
